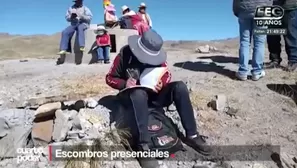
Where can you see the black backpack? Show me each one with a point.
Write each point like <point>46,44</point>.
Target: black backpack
<point>163,132</point>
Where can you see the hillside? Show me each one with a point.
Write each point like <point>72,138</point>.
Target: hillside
<point>46,46</point>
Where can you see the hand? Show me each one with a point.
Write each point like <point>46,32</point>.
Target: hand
<point>73,15</point>
<point>130,82</point>
<point>159,86</point>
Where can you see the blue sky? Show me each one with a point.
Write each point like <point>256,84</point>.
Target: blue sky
<point>173,19</point>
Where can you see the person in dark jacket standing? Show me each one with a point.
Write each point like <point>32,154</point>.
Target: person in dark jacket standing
<point>274,44</point>
<point>245,10</point>
<point>143,51</point>
<point>290,23</point>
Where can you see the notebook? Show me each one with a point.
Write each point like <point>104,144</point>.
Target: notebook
<point>149,78</point>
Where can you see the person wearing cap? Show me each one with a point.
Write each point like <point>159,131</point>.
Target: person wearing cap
<point>79,17</point>
<point>103,44</point>
<point>146,51</point>
<point>110,17</point>
<point>144,15</point>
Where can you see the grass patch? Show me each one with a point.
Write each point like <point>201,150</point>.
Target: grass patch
<point>86,85</point>
<point>199,99</point>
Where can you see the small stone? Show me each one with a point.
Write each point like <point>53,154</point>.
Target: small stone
<point>42,132</point>
<point>91,103</point>
<point>203,49</point>
<point>62,126</point>
<point>41,165</point>
<point>47,110</point>
<point>179,163</point>
<point>221,102</point>
<point>118,164</point>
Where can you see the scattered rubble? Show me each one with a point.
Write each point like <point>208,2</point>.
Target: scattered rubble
<point>206,49</point>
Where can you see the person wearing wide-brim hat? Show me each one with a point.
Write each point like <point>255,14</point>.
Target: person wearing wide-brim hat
<point>144,52</point>
<point>144,15</point>
<point>110,18</point>
<point>126,11</point>
<point>103,45</point>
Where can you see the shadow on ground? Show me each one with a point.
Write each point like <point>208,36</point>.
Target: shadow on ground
<point>200,66</point>
<point>222,59</point>
<point>284,89</point>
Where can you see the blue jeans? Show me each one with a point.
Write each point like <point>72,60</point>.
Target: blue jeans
<point>290,22</point>
<point>68,33</point>
<point>103,53</point>
<point>246,27</point>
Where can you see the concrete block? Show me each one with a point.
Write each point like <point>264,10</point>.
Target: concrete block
<point>119,38</point>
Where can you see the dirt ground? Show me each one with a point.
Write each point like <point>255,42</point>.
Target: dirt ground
<point>264,116</point>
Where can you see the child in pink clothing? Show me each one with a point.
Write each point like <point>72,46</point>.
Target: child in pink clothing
<point>103,45</point>
<point>110,17</point>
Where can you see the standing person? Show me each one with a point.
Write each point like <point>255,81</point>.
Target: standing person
<point>103,45</point>
<point>80,17</point>
<point>140,52</point>
<point>274,45</point>
<point>245,10</point>
<point>110,17</point>
<point>290,22</point>
<point>144,15</point>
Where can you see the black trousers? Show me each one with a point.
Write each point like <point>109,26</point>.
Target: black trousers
<point>274,45</point>
<point>139,101</point>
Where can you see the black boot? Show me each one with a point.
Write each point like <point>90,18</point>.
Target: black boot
<point>272,64</point>
<point>292,67</point>
<point>147,162</point>
<point>106,61</point>
<point>199,144</point>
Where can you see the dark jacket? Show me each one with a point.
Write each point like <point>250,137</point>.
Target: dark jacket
<point>290,4</point>
<point>126,61</point>
<point>248,6</point>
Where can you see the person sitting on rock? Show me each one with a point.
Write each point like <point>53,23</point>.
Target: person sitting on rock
<point>144,15</point>
<point>103,44</point>
<point>110,17</point>
<point>143,51</point>
<point>80,17</point>
<point>131,20</point>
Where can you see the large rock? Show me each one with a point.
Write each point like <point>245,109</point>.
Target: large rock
<point>42,132</point>
<point>119,38</point>
<point>17,138</point>
<point>47,110</point>
<point>62,126</point>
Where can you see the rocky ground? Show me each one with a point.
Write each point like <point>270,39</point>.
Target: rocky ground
<point>251,113</point>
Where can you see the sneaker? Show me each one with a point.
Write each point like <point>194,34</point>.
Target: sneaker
<point>62,52</point>
<point>241,77</point>
<point>271,65</point>
<point>292,67</point>
<point>106,62</point>
<point>199,144</point>
<point>258,76</point>
<point>147,162</point>
<point>82,49</point>
<point>100,61</point>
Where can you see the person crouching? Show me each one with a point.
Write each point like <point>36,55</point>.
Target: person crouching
<point>103,45</point>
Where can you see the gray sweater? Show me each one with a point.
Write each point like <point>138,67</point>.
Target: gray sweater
<point>248,6</point>
<point>84,15</point>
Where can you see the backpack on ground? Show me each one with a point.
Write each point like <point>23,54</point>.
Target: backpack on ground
<point>163,133</point>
